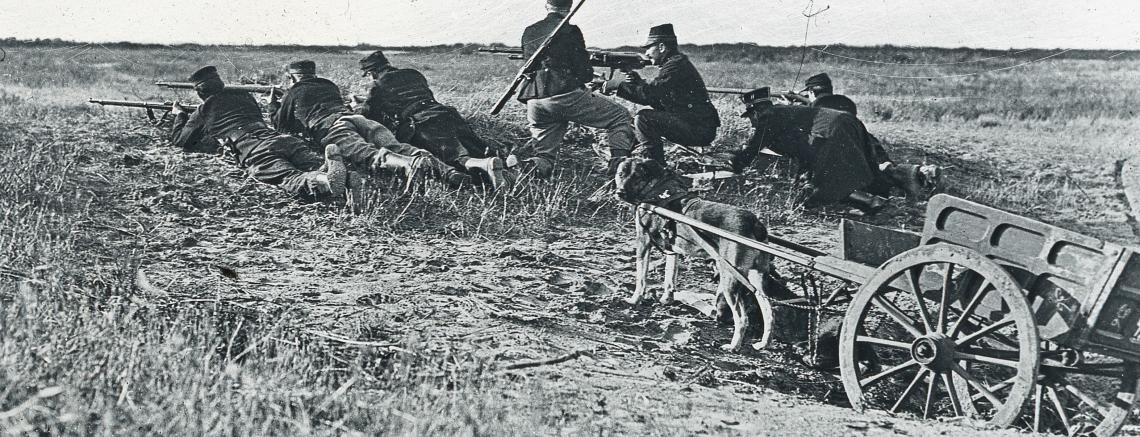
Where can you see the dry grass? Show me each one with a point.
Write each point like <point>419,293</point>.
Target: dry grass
<point>88,349</point>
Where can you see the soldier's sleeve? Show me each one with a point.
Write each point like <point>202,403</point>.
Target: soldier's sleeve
<point>370,108</point>
<point>188,131</point>
<point>742,158</point>
<point>652,93</point>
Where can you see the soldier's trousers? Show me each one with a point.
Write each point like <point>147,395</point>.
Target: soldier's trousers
<point>360,140</point>
<point>450,139</point>
<point>651,125</point>
<point>550,118</point>
<point>279,159</point>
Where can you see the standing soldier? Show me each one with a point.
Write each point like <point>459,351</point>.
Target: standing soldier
<point>682,112</point>
<point>401,99</point>
<point>233,118</point>
<point>312,107</point>
<point>555,93</point>
<point>831,147</point>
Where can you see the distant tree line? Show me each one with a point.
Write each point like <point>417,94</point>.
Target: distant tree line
<point>735,52</point>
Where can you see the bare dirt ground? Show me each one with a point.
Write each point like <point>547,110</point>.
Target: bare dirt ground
<point>534,309</point>
<point>197,221</point>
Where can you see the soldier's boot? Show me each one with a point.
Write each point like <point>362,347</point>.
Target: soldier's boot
<point>337,174</point>
<point>493,168</point>
<point>907,177</point>
<point>868,203</point>
<point>318,184</point>
<point>409,165</point>
<point>445,173</point>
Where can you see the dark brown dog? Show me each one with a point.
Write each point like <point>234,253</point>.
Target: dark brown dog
<point>646,181</point>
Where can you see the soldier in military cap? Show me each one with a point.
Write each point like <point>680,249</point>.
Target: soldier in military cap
<point>401,99</point>
<point>233,118</point>
<point>831,148</point>
<point>682,112</point>
<point>821,94</point>
<point>312,107</point>
<point>555,94</point>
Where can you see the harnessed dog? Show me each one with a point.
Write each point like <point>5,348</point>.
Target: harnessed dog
<point>641,180</point>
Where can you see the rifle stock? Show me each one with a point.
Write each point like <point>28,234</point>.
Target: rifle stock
<point>252,88</point>
<point>533,59</point>
<point>148,106</point>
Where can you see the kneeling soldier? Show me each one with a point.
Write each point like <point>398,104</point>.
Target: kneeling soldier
<point>682,112</point>
<point>233,118</point>
<point>312,107</point>
<point>401,99</point>
<point>831,147</point>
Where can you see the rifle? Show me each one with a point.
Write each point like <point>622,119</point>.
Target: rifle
<point>790,96</point>
<point>252,88</point>
<point>529,65</point>
<point>149,106</point>
<point>622,61</point>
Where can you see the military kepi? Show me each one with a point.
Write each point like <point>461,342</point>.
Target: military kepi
<point>302,67</point>
<point>204,74</point>
<point>754,100</point>
<point>821,80</point>
<point>660,33</point>
<point>373,61</point>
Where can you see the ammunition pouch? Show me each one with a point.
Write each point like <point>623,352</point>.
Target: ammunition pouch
<point>548,82</point>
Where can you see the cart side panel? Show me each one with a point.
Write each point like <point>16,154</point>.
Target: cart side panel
<point>1116,330</point>
<point>1063,272</point>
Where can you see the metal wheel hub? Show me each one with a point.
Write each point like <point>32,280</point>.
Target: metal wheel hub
<point>934,351</point>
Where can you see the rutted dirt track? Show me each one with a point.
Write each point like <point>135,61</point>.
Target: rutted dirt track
<point>633,370</point>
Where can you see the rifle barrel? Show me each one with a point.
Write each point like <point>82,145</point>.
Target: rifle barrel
<point>252,88</point>
<point>720,90</point>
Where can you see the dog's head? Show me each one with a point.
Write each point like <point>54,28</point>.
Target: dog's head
<point>645,180</point>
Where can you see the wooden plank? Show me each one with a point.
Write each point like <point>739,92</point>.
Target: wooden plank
<point>873,245</point>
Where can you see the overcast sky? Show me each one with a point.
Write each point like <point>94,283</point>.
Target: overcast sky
<point>1109,24</point>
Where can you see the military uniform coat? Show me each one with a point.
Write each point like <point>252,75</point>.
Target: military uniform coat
<point>402,100</point>
<point>309,108</point>
<point>234,117</point>
<point>837,102</point>
<point>677,89</point>
<point>831,145</point>
<point>564,67</point>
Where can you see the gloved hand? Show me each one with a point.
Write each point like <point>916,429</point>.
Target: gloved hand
<point>177,109</point>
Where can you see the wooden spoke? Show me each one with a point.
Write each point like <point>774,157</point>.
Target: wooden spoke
<point>1088,400</point>
<point>912,281</point>
<point>1064,415</point>
<point>947,279</point>
<point>897,314</point>
<point>910,388</point>
<point>981,388</point>
<point>991,352</point>
<point>886,373</point>
<point>954,401</point>
<point>985,331</point>
<point>969,310</point>
<point>985,359</point>
<point>994,388</point>
<point>1112,371</point>
<point>930,386</point>
<point>1037,408</point>
<point>883,342</point>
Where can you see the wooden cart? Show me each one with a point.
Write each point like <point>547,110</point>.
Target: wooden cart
<point>986,314</point>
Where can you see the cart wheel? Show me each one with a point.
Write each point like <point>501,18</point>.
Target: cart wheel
<point>902,336</point>
<point>1079,394</point>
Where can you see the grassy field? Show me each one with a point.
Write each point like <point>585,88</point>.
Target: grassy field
<point>114,319</point>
